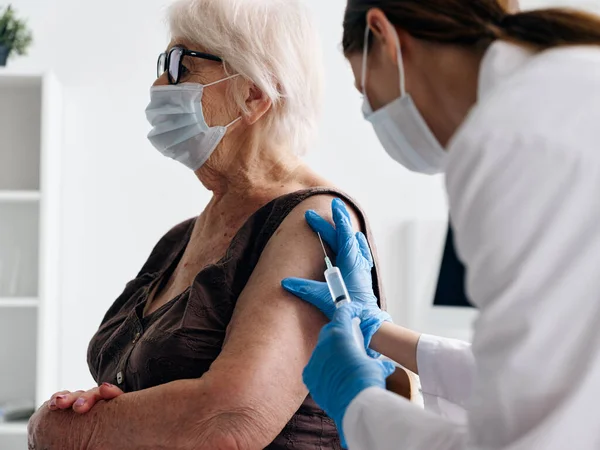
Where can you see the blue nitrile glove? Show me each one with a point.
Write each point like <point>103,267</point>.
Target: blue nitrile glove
<point>354,260</point>
<point>339,370</point>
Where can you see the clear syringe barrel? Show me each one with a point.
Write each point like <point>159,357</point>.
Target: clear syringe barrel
<point>339,294</point>
<point>337,287</point>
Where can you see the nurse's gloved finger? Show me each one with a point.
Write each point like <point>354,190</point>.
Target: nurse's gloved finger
<point>324,228</point>
<point>343,223</point>
<point>109,391</point>
<point>306,289</point>
<point>343,315</point>
<point>340,202</point>
<point>86,401</point>
<point>387,368</point>
<point>314,292</point>
<point>365,250</point>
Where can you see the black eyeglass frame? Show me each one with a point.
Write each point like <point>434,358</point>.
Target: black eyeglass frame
<point>184,52</point>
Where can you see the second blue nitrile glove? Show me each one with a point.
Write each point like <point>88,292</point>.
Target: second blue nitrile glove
<point>339,370</point>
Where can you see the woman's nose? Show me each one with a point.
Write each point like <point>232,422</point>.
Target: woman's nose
<point>163,80</point>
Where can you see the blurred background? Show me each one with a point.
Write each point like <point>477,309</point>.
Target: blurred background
<point>84,196</point>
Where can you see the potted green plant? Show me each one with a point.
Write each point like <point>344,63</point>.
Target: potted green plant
<point>14,35</point>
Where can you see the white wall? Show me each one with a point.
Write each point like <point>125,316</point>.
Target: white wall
<point>590,5</point>
<point>120,195</point>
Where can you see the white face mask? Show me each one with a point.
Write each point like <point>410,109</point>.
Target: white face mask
<point>401,129</point>
<point>179,130</point>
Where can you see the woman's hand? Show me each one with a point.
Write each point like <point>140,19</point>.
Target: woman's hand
<point>82,401</point>
<point>46,428</point>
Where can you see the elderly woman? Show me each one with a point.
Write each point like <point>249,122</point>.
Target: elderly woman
<point>204,349</point>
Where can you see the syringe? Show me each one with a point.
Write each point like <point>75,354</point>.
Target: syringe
<point>339,294</point>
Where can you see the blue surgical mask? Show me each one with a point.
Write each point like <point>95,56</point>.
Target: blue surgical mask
<point>400,127</point>
<point>179,130</point>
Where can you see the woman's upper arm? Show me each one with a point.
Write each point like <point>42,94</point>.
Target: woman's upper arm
<point>272,333</point>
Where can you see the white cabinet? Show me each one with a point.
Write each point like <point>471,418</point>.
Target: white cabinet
<point>30,191</point>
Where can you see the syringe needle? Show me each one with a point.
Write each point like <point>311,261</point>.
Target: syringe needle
<point>327,260</point>
<point>322,245</point>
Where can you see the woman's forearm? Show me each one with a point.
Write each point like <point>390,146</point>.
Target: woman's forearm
<point>179,415</point>
<point>397,343</point>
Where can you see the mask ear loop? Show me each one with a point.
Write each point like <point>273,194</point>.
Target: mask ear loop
<point>233,121</point>
<point>400,62</point>
<point>220,81</point>
<point>363,76</point>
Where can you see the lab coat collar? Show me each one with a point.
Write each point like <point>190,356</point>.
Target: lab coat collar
<point>501,60</point>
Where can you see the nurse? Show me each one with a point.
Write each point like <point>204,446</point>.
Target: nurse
<point>507,105</point>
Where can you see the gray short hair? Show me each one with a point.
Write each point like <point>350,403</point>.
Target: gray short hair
<point>273,43</point>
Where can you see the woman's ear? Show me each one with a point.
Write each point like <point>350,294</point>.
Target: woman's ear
<point>257,104</point>
<point>382,30</point>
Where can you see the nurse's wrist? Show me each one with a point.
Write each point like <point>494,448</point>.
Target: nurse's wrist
<point>397,343</point>
<point>369,326</point>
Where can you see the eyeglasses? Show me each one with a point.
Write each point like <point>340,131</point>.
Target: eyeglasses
<point>172,62</point>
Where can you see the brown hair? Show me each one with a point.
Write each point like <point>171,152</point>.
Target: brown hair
<point>470,22</point>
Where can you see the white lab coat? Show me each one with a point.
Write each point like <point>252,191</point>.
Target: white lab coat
<point>523,182</point>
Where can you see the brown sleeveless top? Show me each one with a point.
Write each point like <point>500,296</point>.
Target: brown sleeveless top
<point>182,338</point>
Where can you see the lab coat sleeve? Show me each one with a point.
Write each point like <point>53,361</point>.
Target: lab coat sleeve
<point>446,372</point>
<point>380,420</point>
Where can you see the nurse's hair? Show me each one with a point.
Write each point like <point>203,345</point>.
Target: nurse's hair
<point>272,43</point>
<point>472,22</point>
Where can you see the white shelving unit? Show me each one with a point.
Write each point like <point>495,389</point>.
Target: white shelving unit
<point>13,436</point>
<point>19,196</point>
<point>30,148</point>
<point>22,302</point>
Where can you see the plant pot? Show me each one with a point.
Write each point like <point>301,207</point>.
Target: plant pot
<point>4,51</point>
